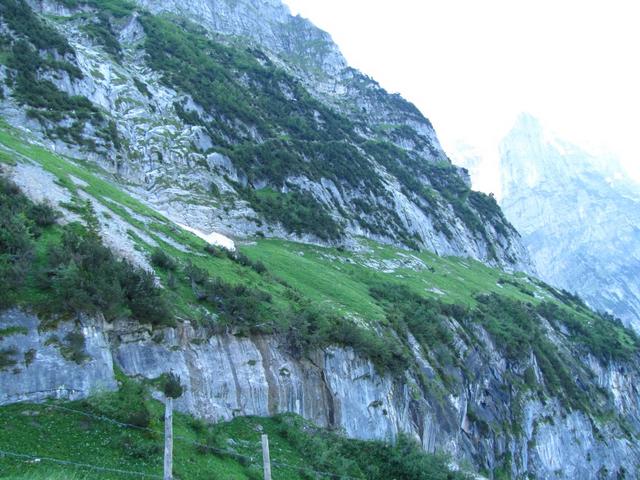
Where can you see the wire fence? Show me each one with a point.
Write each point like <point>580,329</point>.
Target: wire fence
<point>38,459</point>
<point>249,459</point>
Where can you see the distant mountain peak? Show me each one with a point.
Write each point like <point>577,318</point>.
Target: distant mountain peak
<point>533,155</point>
<point>527,121</point>
<point>577,213</point>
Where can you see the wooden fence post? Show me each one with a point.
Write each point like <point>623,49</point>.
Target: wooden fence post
<point>266,461</point>
<point>168,439</point>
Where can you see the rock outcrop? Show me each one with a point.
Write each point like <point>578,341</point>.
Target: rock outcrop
<point>67,362</point>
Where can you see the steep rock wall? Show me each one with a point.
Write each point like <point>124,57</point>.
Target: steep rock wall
<point>42,370</point>
<point>227,376</point>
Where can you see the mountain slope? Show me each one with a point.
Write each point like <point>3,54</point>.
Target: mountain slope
<point>507,375</point>
<point>578,215</point>
<point>224,132</point>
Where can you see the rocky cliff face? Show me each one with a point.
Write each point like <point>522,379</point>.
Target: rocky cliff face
<point>578,215</point>
<point>280,121</point>
<point>486,419</point>
<point>40,364</point>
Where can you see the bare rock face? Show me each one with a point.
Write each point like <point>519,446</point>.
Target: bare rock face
<point>267,22</point>
<point>579,217</point>
<point>68,362</point>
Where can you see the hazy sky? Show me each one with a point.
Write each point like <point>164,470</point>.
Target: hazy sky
<point>471,66</point>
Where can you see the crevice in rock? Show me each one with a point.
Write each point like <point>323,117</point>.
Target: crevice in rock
<point>265,355</point>
<point>225,345</point>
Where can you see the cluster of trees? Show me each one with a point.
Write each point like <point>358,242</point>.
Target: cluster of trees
<point>517,332</point>
<point>277,159</point>
<point>298,212</point>
<point>302,325</point>
<point>489,210</point>
<point>424,318</point>
<point>83,276</point>
<point>362,459</point>
<point>236,84</point>
<point>20,18</point>
<point>21,222</point>
<point>601,335</point>
<point>236,305</point>
<point>516,328</point>
<point>241,87</point>
<point>42,95</point>
<point>77,273</point>
<point>445,183</point>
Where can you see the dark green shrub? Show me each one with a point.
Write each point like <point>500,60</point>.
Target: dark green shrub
<point>172,281</point>
<point>140,447</point>
<point>73,348</point>
<point>238,305</point>
<point>214,443</point>
<point>195,274</point>
<point>160,259</point>
<point>245,261</point>
<point>198,425</point>
<point>215,251</point>
<point>142,87</point>
<point>363,459</point>
<point>29,357</point>
<point>298,212</point>
<point>306,329</point>
<point>43,215</point>
<point>142,297</point>
<point>171,386</point>
<point>530,379</point>
<point>423,317</point>
<point>8,358</point>
<point>127,405</point>
<point>16,240</point>
<point>384,350</point>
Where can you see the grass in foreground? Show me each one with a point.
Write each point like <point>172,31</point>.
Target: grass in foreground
<point>229,450</point>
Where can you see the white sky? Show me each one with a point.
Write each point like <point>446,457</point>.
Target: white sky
<point>472,65</point>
